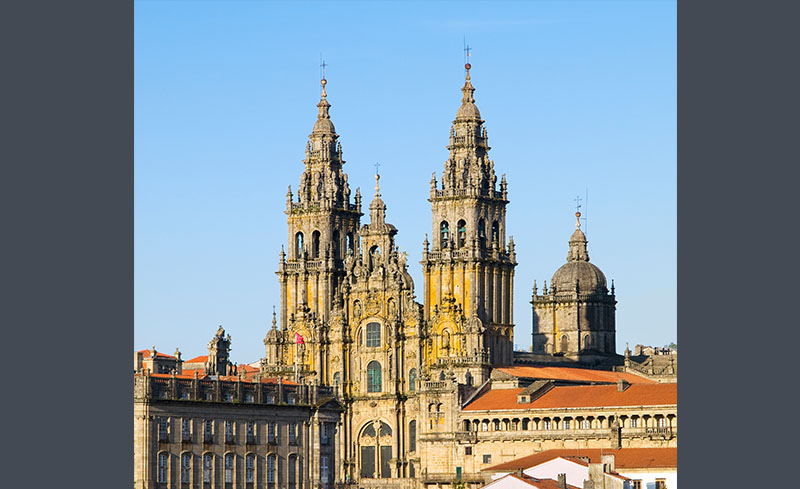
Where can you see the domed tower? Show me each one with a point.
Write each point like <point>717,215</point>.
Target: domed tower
<point>469,268</point>
<point>322,231</point>
<point>576,315</point>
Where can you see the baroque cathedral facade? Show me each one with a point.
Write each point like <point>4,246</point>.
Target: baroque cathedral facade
<point>431,393</point>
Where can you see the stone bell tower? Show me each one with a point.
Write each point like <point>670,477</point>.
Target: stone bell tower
<point>468,267</point>
<point>322,231</point>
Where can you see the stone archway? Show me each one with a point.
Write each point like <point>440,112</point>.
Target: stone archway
<point>375,450</point>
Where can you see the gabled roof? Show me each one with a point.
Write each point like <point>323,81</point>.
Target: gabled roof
<point>532,482</point>
<point>146,354</point>
<point>580,396</point>
<point>573,374</point>
<point>624,458</point>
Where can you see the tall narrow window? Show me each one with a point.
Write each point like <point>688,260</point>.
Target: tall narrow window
<point>250,468</point>
<point>634,421</point>
<point>162,467</point>
<point>272,435</point>
<point>228,431</point>
<point>482,233</point>
<point>292,471</point>
<point>462,233</point>
<point>208,467</point>
<point>292,433</point>
<point>163,429</point>
<point>564,343</point>
<point>412,436</point>
<point>208,428</point>
<point>324,473</point>
<point>566,424</point>
<point>586,424</point>
<point>411,471</point>
<point>271,470</point>
<point>444,229</point>
<point>315,244</point>
<point>251,432</point>
<point>350,243</point>
<point>324,434</point>
<point>335,244</point>
<point>337,378</point>
<point>662,422</point>
<point>373,334</point>
<point>186,467</point>
<point>412,379</point>
<point>496,233</point>
<point>298,245</point>
<point>374,377</point>
<point>228,467</point>
<point>186,429</point>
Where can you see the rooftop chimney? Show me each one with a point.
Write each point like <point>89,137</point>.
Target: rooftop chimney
<point>562,481</point>
<point>608,462</point>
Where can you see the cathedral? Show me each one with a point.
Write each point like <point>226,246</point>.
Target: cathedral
<point>427,394</point>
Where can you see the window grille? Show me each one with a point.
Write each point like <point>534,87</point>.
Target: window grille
<point>162,467</point>
<point>228,467</point>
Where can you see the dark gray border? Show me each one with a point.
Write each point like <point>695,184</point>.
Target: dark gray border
<point>67,198</point>
<point>737,272</point>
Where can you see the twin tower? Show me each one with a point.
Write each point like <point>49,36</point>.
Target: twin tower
<point>348,317</point>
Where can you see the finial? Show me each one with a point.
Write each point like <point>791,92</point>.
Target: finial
<point>323,81</point>
<point>578,220</point>
<point>377,185</point>
<point>534,287</point>
<point>612,286</point>
<point>467,66</point>
<point>274,318</point>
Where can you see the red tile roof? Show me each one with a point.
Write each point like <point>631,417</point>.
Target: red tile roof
<point>580,396</point>
<point>573,374</point>
<point>624,458</point>
<point>200,359</point>
<point>146,354</point>
<point>534,482</point>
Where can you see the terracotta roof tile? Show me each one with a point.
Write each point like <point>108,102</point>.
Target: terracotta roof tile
<point>624,458</point>
<point>573,374</point>
<point>200,359</point>
<point>535,482</point>
<point>580,396</point>
<point>146,354</point>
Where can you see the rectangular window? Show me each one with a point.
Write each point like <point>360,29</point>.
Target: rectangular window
<point>163,429</point>
<point>228,431</point>
<point>323,434</point>
<point>292,479</point>
<point>250,468</point>
<point>585,424</point>
<point>323,469</point>
<point>634,422</point>
<point>467,450</point>
<point>270,469</point>
<point>373,334</point>
<point>186,467</point>
<point>487,459</point>
<point>386,455</point>
<point>208,467</point>
<point>412,436</point>
<point>208,430</point>
<point>636,484</point>
<point>162,467</point>
<point>662,422</point>
<point>272,436</point>
<point>186,429</point>
<point>546,425</point>
<point>228,467</point>
<point>661,484</point>
<point>251,432</point>
<point>566,424</point>
<point>292,433</point>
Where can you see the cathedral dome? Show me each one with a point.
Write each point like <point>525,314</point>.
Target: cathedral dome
<point>468,110</point>
<point>588,277</point>
<point>323,126</point>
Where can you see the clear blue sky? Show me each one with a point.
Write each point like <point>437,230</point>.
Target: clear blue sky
<point>577,97</point>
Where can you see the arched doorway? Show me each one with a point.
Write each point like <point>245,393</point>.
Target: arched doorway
<point>375,450</point>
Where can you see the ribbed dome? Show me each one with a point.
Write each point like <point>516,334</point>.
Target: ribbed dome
<point>590,276</point>
<point>323,126</point>
<point>468,110</point>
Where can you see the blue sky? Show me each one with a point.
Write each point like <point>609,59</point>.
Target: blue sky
<point>578,97</point>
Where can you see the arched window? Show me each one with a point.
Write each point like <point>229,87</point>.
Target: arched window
<point>412,436</point>
<point>298,245</point>
<point>292,471</point>
<point>228,467</point>
<point>586,424</point>
<point>271,470</point>
<point>564,343</point>
<point>249,468</point>
<point>412,379</point>
<point>496,233</point>
<point>162,467</point>
<point>337,377</point>
<point>587,342</point>
<point>186,467</point>
<point>441,376</point>
<point>373,334</point>
<point>445,233</point>
<point>482,233</point>
<point>462,233</point>
<point>350,243</point>
<point>374,256</point>
<point>335,244</point>
<point>468,378</point>
<point>374,377</point>
<point>208,467</point>
<point>315,244</point>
